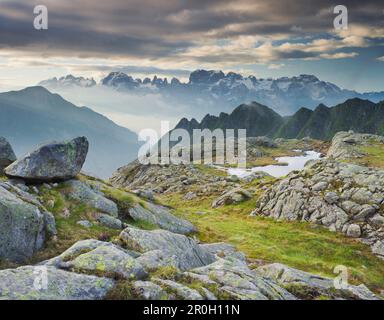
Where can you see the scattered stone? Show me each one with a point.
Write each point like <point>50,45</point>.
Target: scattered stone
<point>378,248</point>
<point>109,221</point>
<point>320,186</point>
<point>54,161</point>
<point>331,197</point>
<point>354,231</point>
<point>146,194</point>
<point>50,204</point>
<point>190,196</point>
<point>223,250</point>
<point>85,223</point>
<point>65,213</point>
<point>236,195</point>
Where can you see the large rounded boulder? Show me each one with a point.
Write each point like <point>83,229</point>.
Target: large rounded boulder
<point>7,156</point>
<point>55,161</point>
<point>22,226</point>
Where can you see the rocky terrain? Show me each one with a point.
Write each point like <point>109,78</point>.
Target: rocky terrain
<point>343,196</point>
<point>92,240</point>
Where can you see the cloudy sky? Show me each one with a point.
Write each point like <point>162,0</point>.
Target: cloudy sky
<point>172,37</point>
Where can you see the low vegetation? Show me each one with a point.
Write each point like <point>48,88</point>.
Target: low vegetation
<point>301,245</point>
<point>374,155</point>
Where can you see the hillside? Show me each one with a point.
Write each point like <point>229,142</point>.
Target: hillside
<point>322,123</point>
<point>34,115</point>
<point>259,120</point>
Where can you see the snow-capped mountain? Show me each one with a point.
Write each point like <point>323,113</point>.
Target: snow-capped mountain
<point>67,82</point>
<point>216,91</point>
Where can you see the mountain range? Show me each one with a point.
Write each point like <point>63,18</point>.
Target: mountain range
<point>215,91</point>
<point>34,115</point>
<point>321,123</point>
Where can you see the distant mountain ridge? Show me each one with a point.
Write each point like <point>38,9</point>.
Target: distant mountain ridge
<point>217,91</point>
<point>67,82</point>
<point>321,123</point>
<point>34,115</point>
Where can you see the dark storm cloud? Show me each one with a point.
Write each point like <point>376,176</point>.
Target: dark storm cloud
<point>162,28</point>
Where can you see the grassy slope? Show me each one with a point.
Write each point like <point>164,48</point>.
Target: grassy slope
<point>374,155</point>
<point>297,244</point>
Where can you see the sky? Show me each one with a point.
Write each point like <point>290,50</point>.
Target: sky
<point>271,38</point>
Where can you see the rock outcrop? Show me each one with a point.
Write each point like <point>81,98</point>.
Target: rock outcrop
<point>345,145</point>
<point>341,196</point>
<point>161,217</point>
<point>49,283</point>
<point>187,252</point>
<point>82,192</point>
<point>7,156</point>
<point>51,162</point>
<point>168,178</point>
<point>298,281</point>
<point>24,226</point>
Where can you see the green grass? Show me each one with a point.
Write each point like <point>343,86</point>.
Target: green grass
<point>69,232</point>
<point>301,245</point>
<point>374,155</point>
<point>205,169</point>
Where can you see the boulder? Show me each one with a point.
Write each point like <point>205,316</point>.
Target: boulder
<point>187,252</point>
<point>161,217</point>
<point>223,250</point>
<point>234,278</point>
<point>7,156</point>
<point>146,194</point>
<point>108,261</point>
<point>148,290</point>
<point>301,281</point>
<point>354,231</point>
<point>82,192</point>
<point>28,283</point>
<point>378,249</point>
<point>236,195</point>
<point>109,221</point>
<point>22,225</point>
<point>155,259</point>
<point>50,162</point>
<point>85,223</point>
<point>79,248</point>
